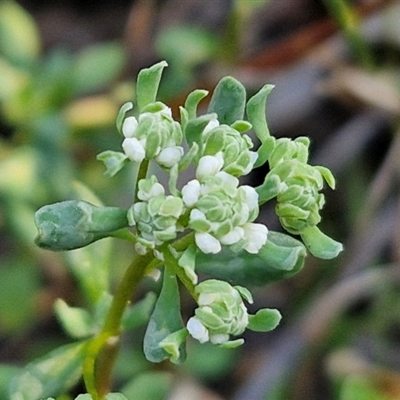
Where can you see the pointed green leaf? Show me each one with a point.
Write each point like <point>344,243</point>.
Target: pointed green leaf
<point>264,320</point>
<point>147,84</point>
<point>121,115</point>
<point>256,112</point>
<point>319,244</point>
<point>164,320</point>
<point>281,257</point>
<point>192,102</point>
<point>228,101</point>
<point>269,189</point>
<point>50,375</point>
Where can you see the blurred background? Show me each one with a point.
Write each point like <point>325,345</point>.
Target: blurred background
<point>65,69</point>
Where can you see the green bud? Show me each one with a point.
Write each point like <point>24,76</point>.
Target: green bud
<point>74,223</point>
<point>156,217</point>
<point>221,312</point>
<point>234,147</point>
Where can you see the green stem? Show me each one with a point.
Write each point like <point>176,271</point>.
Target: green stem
<point>97,371</point>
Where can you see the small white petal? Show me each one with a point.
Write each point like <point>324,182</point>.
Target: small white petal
<point>129,126</point>
<point>228,179</point>
<point>207,243</point>
<point>208,166</point>
<point>197,330</point>
<point>210,126</point>
<point>219,338</point>
<point>191,193</point>
<point>251,196</point>
<point>255,236</point>
<point>196,214</point>
<point>134,149</point>
<point>170,156</point>
<point>233,236</point>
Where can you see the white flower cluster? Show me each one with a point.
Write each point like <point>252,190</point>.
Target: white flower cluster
<point>154,135</point>
<point>220,313</point>
<point>222,211</point>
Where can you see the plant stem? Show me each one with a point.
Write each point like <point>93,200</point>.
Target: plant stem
<point>97,370</point>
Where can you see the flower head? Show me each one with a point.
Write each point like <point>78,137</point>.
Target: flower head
<point>221,211</point>
<point>156,216</point>
<point>220,313</point>
<point>234,147</point>
<point>155,135</point>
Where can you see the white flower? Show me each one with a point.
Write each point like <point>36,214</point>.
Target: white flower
<point>211,125</point>
<point>209,166</point>
<point>219,338</point>
<point>233,236</point>
<point>129,127</point>
<point>134,149</point>
<point>207,243</point>
<point>255,236</point>
<point>155,190</point>
<point>197,330</point>
<point>191,192</point>
<point>170,156</point>
<point>250,196</point>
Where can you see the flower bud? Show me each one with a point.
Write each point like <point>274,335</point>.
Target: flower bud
<point>154,135</point>
<point>221,312</point>
<point>156,216</point>
<point>238,160</point>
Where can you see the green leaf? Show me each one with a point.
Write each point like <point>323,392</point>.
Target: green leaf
<point>19,36</point>
<point>152,385</point>
<point>194,128</point>
<point>147,85</point>
<point>73,224</point>
<point>256,112</point>
<point>121,115</point>
<point>228,101</point>
<point>137,315</point>
<point>192,102</point>
<point>113,160</point>
<point>281,257</point>
<point>264,151</point>
<point>164,320</point>
<point>97,66</point>
<point>116,396</point>
<point>319,244</point>
<point>264,320</point>
<point>50,375</point>
<point>77,322</point>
